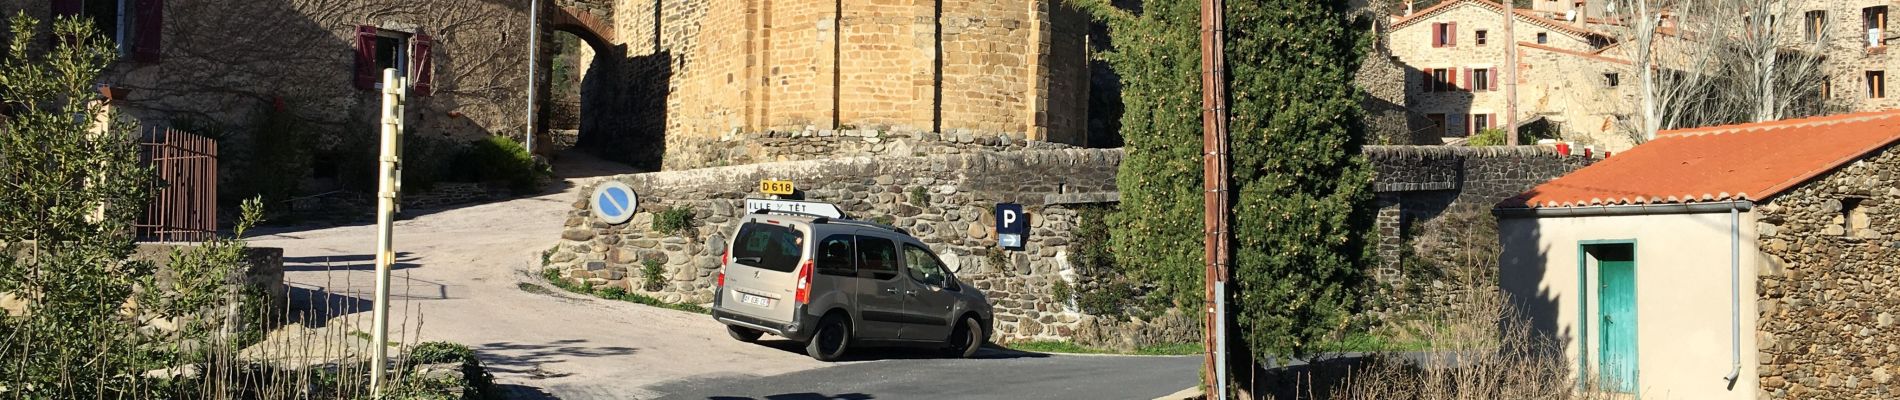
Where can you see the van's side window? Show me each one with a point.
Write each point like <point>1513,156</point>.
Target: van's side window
<point>837,256</point>
<point>771,247</point>
<point>877,257</point>
<point>923,266</point>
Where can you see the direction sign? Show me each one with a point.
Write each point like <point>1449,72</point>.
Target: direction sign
<point>614,202</point>
<point>782,188</point>
<point>1012,226</point>
<point>795,206</point>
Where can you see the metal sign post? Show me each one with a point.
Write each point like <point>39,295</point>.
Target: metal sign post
<point>388,175</point>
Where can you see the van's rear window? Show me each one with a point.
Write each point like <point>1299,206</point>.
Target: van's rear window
<point>767,246</point>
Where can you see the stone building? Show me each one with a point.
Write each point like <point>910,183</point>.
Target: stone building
<point>1853,37</point>
<point>695,82</point>
<point>1760,268</point>
<point>1570,79</point>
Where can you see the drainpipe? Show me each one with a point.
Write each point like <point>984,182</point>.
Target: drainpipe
<point>534,44</point>
<point>1735,295</point>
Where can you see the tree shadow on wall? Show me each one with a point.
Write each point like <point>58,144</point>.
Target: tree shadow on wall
<point>623,106</point>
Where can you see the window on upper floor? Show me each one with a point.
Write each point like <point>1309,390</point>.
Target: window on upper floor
<point>1611,79</point>
<point>1827,89</point>
<point>409,53</point>
<point>1874,23</point>
<point>132,25</point>
<point>1812,24</point>
<point>1543,38</point>
<point>1481,80</point>
<point>1876,84</point>
<point>1479,37</point>
<point>1441,80</point>
<point>1445,34</point>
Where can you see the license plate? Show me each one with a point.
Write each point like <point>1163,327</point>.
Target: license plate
<point>760,301</point>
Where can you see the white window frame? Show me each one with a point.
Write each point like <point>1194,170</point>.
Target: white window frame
<point>404,45</point>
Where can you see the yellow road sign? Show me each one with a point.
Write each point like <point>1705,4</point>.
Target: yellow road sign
<point>776,187</point>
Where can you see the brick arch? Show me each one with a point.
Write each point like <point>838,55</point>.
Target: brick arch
<point>590,28</point>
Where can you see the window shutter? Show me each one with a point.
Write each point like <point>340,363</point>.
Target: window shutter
<point>1438,29</point>
<point>1470,80</point>
<point>1491,79</point>
<point>422,64</point>
<point>67,8</point>
<point>1452,75</point>
<point>1452,31</point>
<point>1425,80</point>
<point>1491,120</point>
<point>150,30</point>
<point>366,74</point>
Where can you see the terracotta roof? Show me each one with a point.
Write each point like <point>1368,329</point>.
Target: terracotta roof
<point>1584,54</point>
<point>1733,162</point>
<point>1523,14</point>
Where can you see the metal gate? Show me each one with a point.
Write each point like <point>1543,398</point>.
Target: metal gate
<point>185,208</point>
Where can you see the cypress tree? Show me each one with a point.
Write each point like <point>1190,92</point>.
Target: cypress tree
<point>1302,210</point>
<point>1156,235</point>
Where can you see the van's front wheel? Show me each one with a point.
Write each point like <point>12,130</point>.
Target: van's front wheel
<point>966,339</point>
<point>831,340</point>
<point>744,334</point>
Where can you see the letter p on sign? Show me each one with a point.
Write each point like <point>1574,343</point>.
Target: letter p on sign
<point>1012,226</point>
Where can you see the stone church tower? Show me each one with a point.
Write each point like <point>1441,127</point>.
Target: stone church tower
<point>736,81</point>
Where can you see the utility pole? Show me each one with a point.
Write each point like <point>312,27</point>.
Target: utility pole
<point>388,177</point>
<point>1510,72</point>
<point>1215,179</point>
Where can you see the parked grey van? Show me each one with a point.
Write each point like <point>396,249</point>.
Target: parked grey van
<point>836,283</point>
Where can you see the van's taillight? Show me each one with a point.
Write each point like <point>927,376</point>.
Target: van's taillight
<point>804,283</point>
<point>723,258</point>
<point>722,277</point>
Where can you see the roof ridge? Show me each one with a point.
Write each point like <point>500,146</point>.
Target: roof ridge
<point>1819,120</point>
<point>1499,7</point>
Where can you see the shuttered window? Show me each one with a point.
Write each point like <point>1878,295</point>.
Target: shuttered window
<point>411,55</point>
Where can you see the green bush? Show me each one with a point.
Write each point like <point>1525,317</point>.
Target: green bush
<point>441,353</point>
<point>1061,292</point>
<point>501,159</point>
<point>652,275</point>
<point>1495,137</point>
<point>1303,204</point>
<point>673,220</point>
<point>919,196</point>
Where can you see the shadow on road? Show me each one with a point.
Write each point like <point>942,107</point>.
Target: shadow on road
<point>874,353</point>
<point>527,359</point>
<point>354,262</point>
<point>520,392</point>
<point>799,396</point>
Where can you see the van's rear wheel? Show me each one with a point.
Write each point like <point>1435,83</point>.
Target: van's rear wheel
<point>744,334</point>
<point>966,339</point>
<point>831,340</point>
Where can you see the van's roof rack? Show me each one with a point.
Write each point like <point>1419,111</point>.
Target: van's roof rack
<point>815,218</point>
<point>870,224</point>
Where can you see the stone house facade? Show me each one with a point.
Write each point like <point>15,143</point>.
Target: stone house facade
<point>1854,37</point>
<point>222,68</point>
<point>1568,77</point>
<point>1767,260</point>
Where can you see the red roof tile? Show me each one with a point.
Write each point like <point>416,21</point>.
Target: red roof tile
<point>1523,14</point>
<point>1732,162</point>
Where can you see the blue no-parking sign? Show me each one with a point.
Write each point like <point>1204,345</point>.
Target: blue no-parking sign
<point>614,202</point>
<point>1012,226</point>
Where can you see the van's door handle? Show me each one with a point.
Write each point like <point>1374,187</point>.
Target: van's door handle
<point>890,290</point>
<point>911,293</point>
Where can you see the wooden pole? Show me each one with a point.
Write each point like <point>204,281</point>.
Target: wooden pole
<point>1510,73</point>
<point>1215,178</point>
<point>394,93</point>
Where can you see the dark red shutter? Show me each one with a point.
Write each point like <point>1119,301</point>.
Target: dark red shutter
<point>67,8</point>
<point>423,65</point>
<point>1438,28</point>
<point>1471,79</point>
<point>1452,74</point>
<point>366,74</point>
<point>150,30</point>
<point>1451,34</point>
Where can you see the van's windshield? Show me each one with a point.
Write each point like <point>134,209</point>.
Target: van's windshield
<point>768,246</point>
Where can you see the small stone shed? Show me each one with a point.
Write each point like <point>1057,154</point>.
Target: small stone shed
<point>1743,261</point>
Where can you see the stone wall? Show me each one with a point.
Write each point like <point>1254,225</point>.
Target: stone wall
<point>263,271</point>
<point>1429,195</point>
<point>815,144</point>
<point>1828,305</point>
<point>946,200</point>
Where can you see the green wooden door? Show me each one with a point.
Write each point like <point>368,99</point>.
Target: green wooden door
<point>1616,309</point>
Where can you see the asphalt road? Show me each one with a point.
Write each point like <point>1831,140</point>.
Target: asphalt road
<point>992,374</point>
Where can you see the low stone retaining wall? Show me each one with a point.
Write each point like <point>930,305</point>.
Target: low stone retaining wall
<point>813,144</point>
<point>947,201</point>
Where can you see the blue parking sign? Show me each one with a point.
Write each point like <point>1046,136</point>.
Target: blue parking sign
<point>1012,226</point>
